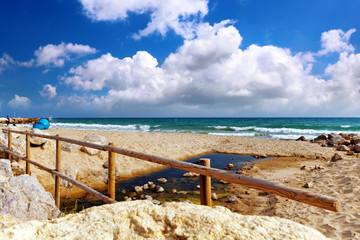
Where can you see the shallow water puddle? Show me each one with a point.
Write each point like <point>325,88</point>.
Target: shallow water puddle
<point>186,188</point>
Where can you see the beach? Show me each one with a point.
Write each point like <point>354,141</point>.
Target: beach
<point>336,179</point>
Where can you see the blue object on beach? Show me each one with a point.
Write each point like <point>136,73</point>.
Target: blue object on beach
<point>42,124</point>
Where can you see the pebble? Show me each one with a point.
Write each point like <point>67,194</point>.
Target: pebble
<point>162,180</point>
<point>214,196</point>
<point>232,199</point>
<point>159,189</point>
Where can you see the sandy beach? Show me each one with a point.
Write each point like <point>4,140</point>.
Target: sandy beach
<point>337,179</point>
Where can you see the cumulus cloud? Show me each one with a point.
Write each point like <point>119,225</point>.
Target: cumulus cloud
<point>56,55</point>
<point>336,41</point>
<point>179,15</point>
<point>48,91</point>
<point>212,71</point>
<point>19,102</point>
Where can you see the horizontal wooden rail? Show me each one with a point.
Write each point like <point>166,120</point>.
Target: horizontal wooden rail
<point>300,195</point>
<point>296,194</point>
<point>61,175</point>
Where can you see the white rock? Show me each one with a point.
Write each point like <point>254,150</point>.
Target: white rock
<point>5,170</point>
<point>214,196</point>
<point>95,139</point>
<point>191,174</point>
<point>69,147</point>
<point>162,180</point>
<point>144,220</point>
<point>159,189</point>
<point>25,199</point>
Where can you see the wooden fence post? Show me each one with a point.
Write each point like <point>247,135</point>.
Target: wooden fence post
<point>58,169</point>
<point>9,144</point>
<point>111,173</point>
<point>205,185</point>
<point>28,153</point>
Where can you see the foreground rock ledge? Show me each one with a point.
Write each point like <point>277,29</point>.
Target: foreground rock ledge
<point>144,220</point>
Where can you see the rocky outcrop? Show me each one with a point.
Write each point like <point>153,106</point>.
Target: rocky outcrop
<point>95,139</point>
<point>144,220</point>
<point>24,199</point>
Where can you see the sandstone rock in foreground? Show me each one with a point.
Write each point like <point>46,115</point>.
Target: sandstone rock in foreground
<point>144,220</point>
<point>24,199</point>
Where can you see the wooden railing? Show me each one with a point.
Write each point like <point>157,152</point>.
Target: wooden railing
<point>296,194</point>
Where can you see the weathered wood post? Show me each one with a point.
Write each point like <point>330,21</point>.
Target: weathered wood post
<point>205,185</point>
<point>58,169</point>
<point>9,143</point>
<point>111,173</point>
<point>28,153</point>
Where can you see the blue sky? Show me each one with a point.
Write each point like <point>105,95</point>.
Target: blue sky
<point>180,58</point>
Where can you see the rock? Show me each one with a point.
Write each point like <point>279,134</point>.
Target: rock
<point>336,157</point>
<point>214,196</point>
<point>69,147</point>
<point>355,140</point>
<point>230,165</point>
<point>148,197</point>
<point>302,138</point>
<point>156,202</point>
<point>132,194</point>
<point>138,189</point>
<point>173,191</point>
<point>342,148</point>
<point>25,199</point>
<point>159,189</point>
<point>350,153</point>
<point>72,173</point>
<point>232,199</point>
<point>337,140</point>
<point>144,220</point>
<point>5,170</point>
<point>303,168</point>
<point>37,141</point>
<point>320,138</point>
<point>191,175</point>
<point>95,139</point>
<point>357,148</point>
<point>307,185</point>
<point>247,169</point>
<point>162,180</point>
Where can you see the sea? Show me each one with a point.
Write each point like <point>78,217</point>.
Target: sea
<point>267,128</point>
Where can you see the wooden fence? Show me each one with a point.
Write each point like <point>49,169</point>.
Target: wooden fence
<point>205,171</point>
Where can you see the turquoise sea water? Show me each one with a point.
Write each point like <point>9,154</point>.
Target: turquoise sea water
<point>275,128</point>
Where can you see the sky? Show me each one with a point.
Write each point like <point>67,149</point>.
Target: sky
<point>180,58</point>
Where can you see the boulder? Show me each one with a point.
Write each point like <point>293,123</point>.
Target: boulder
<point>24,198</point>
<point>302,138</point>
<point>357,148</point>
<point>145,220</point>
<point>342,148</point>
<point>319,139</point>
<point>95,139</point>
<point>69,147</point>
<point>337,140</point>
<point>38,141</point>
<point>5,170</point>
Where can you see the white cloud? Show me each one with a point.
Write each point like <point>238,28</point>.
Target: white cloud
<point>48,91</point>
<point>56,55</point>
<point>177,15</point>
<point>19,102</point>
<point>212,71</point>
<point>336,41</point>
<point>6,61</point>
